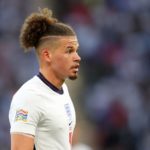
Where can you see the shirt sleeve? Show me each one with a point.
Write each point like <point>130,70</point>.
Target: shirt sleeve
<point>25,113</point>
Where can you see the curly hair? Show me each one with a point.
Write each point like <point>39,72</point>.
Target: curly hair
<point>41,24</point>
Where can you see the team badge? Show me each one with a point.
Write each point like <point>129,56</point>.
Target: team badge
<point>21,115</point>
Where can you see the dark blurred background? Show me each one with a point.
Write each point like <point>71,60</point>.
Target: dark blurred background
<point>112,93</point>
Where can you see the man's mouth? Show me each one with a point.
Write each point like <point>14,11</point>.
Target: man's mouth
<point>75,68</point>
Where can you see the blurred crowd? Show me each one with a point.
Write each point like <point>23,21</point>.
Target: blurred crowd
<point>114,98</point>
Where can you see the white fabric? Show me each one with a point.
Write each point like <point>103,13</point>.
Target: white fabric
<point>47,115</point>
<point>81,146</point>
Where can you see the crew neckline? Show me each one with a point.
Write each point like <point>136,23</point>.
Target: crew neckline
<point>49,84</point>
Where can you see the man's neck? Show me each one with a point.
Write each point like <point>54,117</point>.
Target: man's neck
<point>52,78</point>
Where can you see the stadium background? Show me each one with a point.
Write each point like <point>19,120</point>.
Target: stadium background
<point>112,93</point>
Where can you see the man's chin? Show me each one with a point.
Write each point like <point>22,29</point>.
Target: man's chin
<point>73,77</point>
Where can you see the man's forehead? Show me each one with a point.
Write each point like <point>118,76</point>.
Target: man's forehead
<point>70,41</point>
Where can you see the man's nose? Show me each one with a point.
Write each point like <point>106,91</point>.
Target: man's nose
<point>77,57</point>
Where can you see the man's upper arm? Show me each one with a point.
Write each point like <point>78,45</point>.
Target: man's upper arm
<point>21,141</point>
<point>25,113</point>
<point>24,116</point>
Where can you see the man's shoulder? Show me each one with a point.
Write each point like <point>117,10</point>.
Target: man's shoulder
<point>28,92</point>
<point>29,86</point>
<point>31,83</point>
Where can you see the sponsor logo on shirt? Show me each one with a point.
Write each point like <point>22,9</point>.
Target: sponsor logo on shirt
<point>21,115</point>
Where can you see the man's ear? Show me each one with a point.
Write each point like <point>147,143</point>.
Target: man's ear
<point>46,54</point>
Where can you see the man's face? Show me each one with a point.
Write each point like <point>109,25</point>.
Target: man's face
<point>65,59</point>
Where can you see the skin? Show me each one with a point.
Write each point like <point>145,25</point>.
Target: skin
<point>21,141</point>
<point>56,63</point>
<point>62,62</point>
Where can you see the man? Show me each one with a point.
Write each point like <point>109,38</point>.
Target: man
<point>41,111</point>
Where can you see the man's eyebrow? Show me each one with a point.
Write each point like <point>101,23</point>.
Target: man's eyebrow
<point>72,45</point>
<point>73,41</point>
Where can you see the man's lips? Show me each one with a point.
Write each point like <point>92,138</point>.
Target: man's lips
<point>75,67</point>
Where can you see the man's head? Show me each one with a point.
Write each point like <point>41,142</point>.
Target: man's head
<point>55,43</point>
<point>38,27</point>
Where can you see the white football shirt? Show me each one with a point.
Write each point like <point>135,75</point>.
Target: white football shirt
<point>39,109</point>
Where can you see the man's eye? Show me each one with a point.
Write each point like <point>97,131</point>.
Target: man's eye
<point>69,50</point>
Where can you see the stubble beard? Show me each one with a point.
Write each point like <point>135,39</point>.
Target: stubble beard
<point>73,77</point>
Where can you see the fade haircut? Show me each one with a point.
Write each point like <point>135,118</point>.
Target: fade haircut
<point>39,25</point>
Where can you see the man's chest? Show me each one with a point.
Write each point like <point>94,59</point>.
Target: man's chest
<point>58,115</point>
